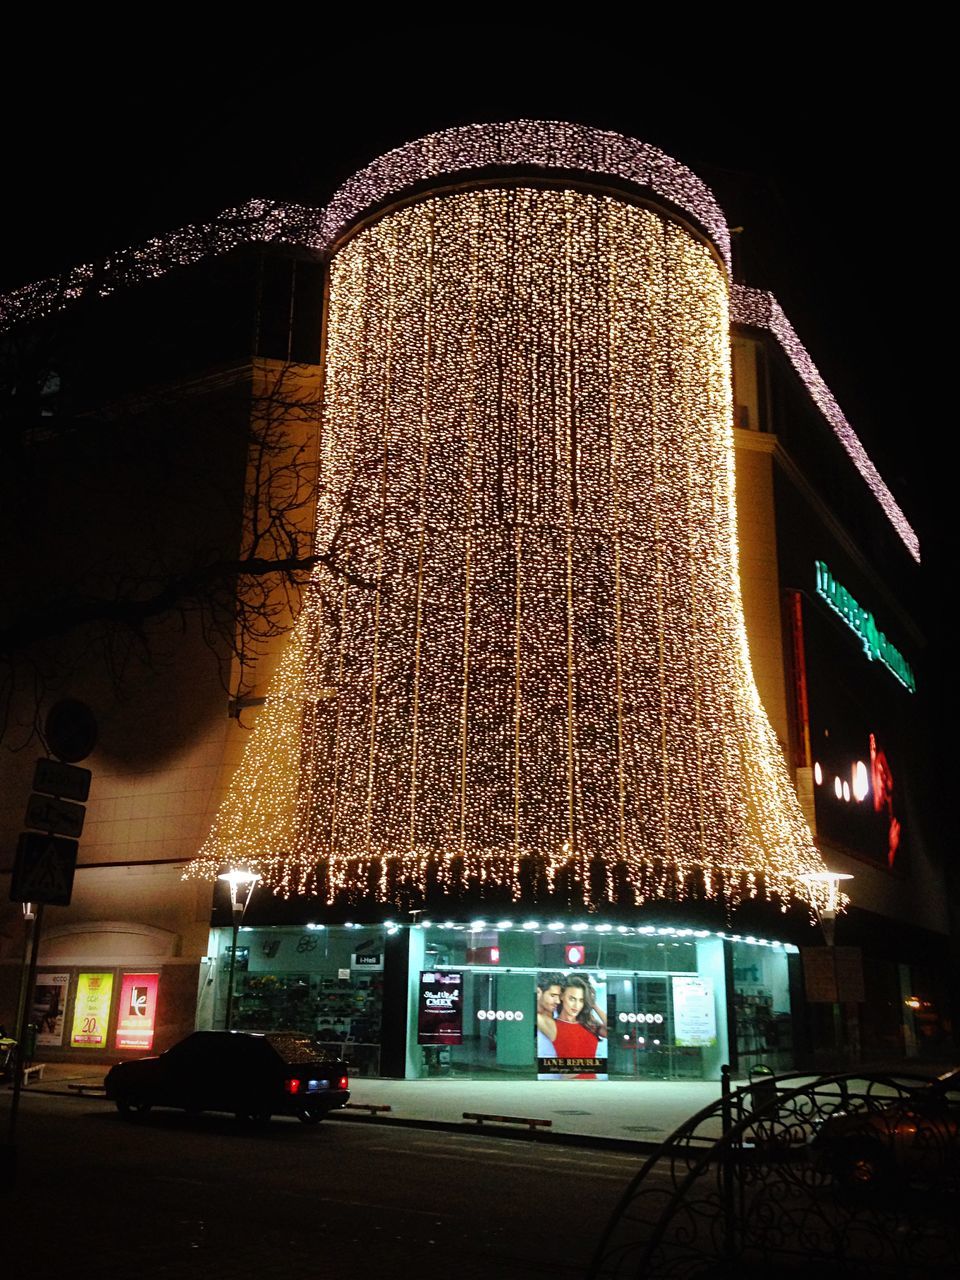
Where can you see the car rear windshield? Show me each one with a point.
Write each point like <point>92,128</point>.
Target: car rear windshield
<point>294,1048</point>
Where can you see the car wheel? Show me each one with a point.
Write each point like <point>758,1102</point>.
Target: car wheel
<point>131,1109</point>
<point>309,1117</point>
<point>864,1167</point>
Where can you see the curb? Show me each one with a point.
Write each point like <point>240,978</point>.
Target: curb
<point>552,1137</point>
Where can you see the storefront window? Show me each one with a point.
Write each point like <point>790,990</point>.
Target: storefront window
<point>761,998</point>
<point>655,1001</point>
<point>511,999</point>
<point>324,981</point>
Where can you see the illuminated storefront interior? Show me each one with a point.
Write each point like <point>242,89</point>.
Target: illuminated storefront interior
<point>666,994</point>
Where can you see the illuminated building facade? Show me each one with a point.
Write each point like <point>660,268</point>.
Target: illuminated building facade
<point>548,706</point>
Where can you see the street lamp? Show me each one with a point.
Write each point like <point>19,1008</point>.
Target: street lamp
<point>827,899</point>
<point>241,881</point>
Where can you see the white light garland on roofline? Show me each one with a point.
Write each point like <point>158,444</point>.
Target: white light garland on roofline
<point>760,310</point>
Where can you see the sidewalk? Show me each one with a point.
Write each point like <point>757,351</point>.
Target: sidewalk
<point>638,1112</point>
<point>641,1112</point>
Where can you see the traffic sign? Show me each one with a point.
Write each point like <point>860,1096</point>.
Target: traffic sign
<point>56,817</point>
<point>56,779</point>
<point>71,730</point>
<point>43,871</point>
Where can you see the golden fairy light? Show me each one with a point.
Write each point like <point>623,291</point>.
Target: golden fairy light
<point>537,665</point>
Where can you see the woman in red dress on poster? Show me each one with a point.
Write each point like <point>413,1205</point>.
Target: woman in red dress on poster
<point>579,1024</point>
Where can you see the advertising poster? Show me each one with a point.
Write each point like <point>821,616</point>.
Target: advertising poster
<point>694,1013</point>
<point>440,1009</point>
<point>50,1007</point>
<point>91,1012</point>
<point>137,1011</point>
<point>571,1022</point>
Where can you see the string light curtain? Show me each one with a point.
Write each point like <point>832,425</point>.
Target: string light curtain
<point>533,664</point>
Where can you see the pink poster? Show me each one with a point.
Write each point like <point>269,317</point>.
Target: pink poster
<point>137,1013</point>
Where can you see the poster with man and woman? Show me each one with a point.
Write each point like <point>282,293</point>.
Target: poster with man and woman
<point>571,1024</point>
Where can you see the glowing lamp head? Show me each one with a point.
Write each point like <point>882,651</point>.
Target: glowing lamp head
<point>825,891</point>
<point>242,882</point>
<point>239,878</point>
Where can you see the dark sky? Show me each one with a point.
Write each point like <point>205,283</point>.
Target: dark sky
<point>816,165</point>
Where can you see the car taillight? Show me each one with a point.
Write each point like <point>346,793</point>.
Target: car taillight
<point>292,1086</point>
<point>343,1082</point>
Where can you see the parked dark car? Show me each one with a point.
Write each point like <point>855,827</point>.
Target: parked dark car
<point>253,1075</point>
<point>913,1139</point>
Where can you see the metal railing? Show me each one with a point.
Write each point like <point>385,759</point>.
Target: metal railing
<point>846,1173</point>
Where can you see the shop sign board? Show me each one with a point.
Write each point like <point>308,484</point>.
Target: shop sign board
<point>819,975</point>
<point>91,1011</point>
<point>694,1012</point>
<point>863,624</point>
<point>440,1008</point>
<point>49,1007</point>
<point>372,960</point>
<point>137,1011</point>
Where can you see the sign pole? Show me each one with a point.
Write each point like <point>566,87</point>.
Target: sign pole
<point>21,1035</point>
<point>29,919</point>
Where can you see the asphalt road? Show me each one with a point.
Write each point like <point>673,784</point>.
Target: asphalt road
<point>173,1196</point>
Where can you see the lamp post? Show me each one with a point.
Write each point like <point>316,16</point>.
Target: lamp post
<point>825,886</point>
<point>241,881</point>
<point>825,896</point>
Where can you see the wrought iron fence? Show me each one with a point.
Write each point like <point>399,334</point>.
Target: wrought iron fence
<point>854,1174</point>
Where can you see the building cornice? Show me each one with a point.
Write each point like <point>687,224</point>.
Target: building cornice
<point>758,309</point>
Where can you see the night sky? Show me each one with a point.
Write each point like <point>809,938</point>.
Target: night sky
<point>815,164</point>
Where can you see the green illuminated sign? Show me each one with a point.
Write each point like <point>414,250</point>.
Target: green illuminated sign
<point>875,644</point>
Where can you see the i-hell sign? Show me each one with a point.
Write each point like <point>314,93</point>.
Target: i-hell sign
<point>137,1014</point>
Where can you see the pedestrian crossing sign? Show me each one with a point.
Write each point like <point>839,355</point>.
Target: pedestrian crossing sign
<point>43,871</point>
